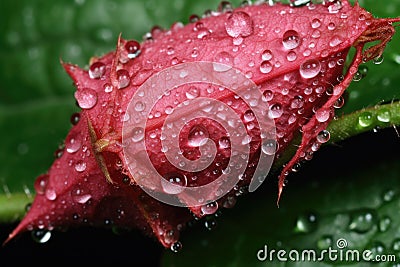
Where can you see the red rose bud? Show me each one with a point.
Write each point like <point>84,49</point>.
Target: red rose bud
<point>193,116</point>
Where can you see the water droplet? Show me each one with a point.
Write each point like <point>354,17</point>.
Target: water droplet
<point>50,193</point>
<point>139,106</point>
<point>266,67</point>
<point>316,34</point>
<point>339,102</point>
<point>383,115</point>
<point>315,23</point>
<point>41,184</point>
<point>365,119</point>
<point>362,221</point>
<point>384,223</point>
<point>224,142</point>
<point>80,166</point>
<point>331,26</point>
<point>96,70</point>
<point>210,223</point>
<point>176,247</point>
<point>323,136</point>
<point>133,48</point>
<point>174,183</point>
<point>306,223</point>
<point>58,153</point>
<point>269,147</point>
<point>268,95</point>
<point>137,134</point>
<point>209,208</point>
<point>41,235</point>
<point>396,245</point>
<point>80,196</point>
<point>291,39</point>
<point>198,136</point>
<point>299,3</point>
<point>322,115</point>
<point>266,55</point>
<point>325,242</point>
<point>378,60</point>
<point>239,24</point>
<point>297,102</point>
<point>107,88</point>
<point>291,56</point>
<point>73,143</point>
<point>388,195</point>
<point>335,41</point>
<point>310,68</point>
<point>248,116</point>
<point>376,248</point>
<point>275,111</point>
<point>123,78</point>
<point>192,92</point>
<point>75,118</point>
<point>86,97</point>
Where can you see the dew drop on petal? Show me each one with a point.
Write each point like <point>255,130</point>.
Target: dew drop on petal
<point>86,97</point>
<point>41,235</point>
<point>209,208</point>
<point>266,67</point>
<point>323,136</point>
<point>239,24</point>
<point>96,70</point>
<point>315,23</point>
<point>137,134</point>
<point>322,115</point>
<point>275,111</point>
<point>133,48</point>
<point>80,166</point>
<point>80,196</point>
<point>269,147</point>
<point>41,184</point>
<point>123,78</point>
<point>291,39</point>
<point>73,143</point>
<point>310,68</point>
<point>266,55</point>
<point>174,183</point>
<point>198,136</point>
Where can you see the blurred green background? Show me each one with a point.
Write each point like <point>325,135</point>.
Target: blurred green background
<point>349,190</point>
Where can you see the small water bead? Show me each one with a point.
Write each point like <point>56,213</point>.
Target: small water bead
<point>310,68</point>
<point>176,247</point>
<point>339,102</point>
<point>96,70</point>
<point>86,97</point>
<point>40,184</point>
<point>198,136</point>
<point>362,221</point>
<point>315,23</point>
<point>50,193</point>
<point>291,56</point>
<point>291,39</point>
<point>266,67</point>
<point>239,24</point>
<point>80,196</point>
<point>297,102</point>
<point>396,245</point>
<point>58,153</point>
<point>123,78</point>
<point>133,49</point>
<point>388,195</point>
<point>378,60</point>
<point>75,118</point>
<point>225,6</point>
<point>357,76</point>
<point>299,3</point>
<point>80,166</point>
<point>73,143</point>
<point>269,147</point>
<point>266,55</point>
<point>224,142</point>
<point>267,95</point>
<point>325,242</point>
<point>137,134</point>
<point>335,41</point>
<point>323,136</point>
<point>306,223</point>
<point>316,34</point>
<point>174,183</point>
<point>248,116</point>
<point>209,208</point>
<point>383,115</point>
<point>384,223</point>
<point>192,92</point>
<point>275,111</point>
<point>331,26</point>
<point>376,248</point>
<point>210,223</point>
<point>41,235</point>
<point>365,119</point>
<point>322,115</point>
